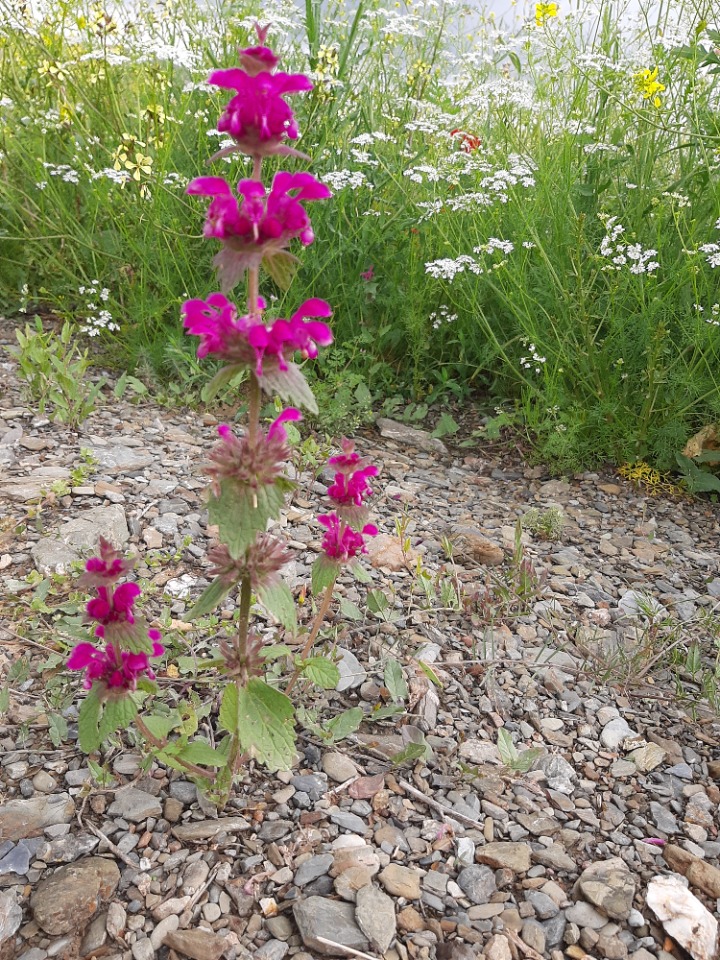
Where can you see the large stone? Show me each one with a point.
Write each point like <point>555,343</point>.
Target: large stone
<point>78,537</point>
<point>479,752</point>
<point>386,553</point>
<point>117,459</point>
<point>614,733</point>
<point>28,818</point>
<point>701,874</point>
<point>375,915</point>
<point>10,916</point>
<point>401,881</point>
<point>135,805</point>
<point>477,883</point>
<point>321,920</point>
<point>411,436</point>
<point>69,898</point>
<point>683,917</point>
<point>560,775</point>
<point>35,486</point>
<point>208,829</point>
<point>197,944</point>
<point>469,543</point>
<point>504,854</point>
<point>609,886</point>
<point>648,757</point>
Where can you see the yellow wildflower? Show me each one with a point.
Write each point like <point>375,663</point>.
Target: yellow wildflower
<point>544,11</point>
<point>648,85</point>
<point>140,165</point>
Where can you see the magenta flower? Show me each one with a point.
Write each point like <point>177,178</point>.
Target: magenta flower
<point>256,224</point>
<point>111,608</point>
<point>353,488</point>
<point>247,340</point>
<point>257,117</point>
<point>113,669</point>
<point>368,274</point>
<point>256,59</point>
<point>341,542</point>
<point>349,460</point>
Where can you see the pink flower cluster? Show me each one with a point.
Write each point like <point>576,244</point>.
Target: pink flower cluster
<point>248,340</point>
<point>341,542</point>
<point>350,487</point>
<point>114,669</point>
<point>257,117</point>
<point>348,491</point>
<point>112,609</point>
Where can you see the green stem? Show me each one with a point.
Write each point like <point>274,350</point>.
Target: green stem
<point>319,617</point>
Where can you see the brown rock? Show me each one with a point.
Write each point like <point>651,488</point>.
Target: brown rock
<point>207,829</point>
<point>197,944</point>
<point>470,544</point>
<point>700,873</point>
<point>410,921</point>
<point>386,553</point>
<point>514,856</point>
<point>69,898</point>
<point>401,881</point>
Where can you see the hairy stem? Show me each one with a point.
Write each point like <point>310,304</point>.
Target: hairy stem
<point>317,623</point>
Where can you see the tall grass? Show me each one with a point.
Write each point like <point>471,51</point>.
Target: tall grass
<point>560,249</point>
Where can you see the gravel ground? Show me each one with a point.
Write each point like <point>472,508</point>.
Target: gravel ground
<point>602,842</point>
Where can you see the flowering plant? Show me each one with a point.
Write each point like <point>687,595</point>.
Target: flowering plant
<point>246,469</point>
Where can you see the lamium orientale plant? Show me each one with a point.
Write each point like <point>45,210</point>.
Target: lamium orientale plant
<point>254,227</point>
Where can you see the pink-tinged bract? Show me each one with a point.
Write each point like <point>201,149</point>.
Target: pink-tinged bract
<point>107,568</point>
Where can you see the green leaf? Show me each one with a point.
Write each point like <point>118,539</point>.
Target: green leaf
<point>278,600</point>
<point>130,636</point>
<point>88,720</point>
<point>395,681</point>
<point>209,599</point>
<point>201,752</point>
<point>506,748</point>
<point>360,573</point>
<point>57,728</point>
<point>241,513</point>
<point>350,610</point>
<point>322,672</point>
<point>290,385</point>
<point>282,267</point>
<point>4,699</point>
<point>377,601</point>
<point>265,724</point>
<point>276,651</point>
<point>324,573</point>
<point>118,715</point>
<point>430,673</point>
<point>413,751</point>
<point>391,710</point>
<point>708,456</point>
<point>446,426</point>
<point>223,378</point>
<point>345,723</point>
<point>526,759</point>
<point>160,725</point>
<point>228,716</point>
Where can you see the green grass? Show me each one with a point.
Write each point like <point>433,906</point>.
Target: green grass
<point>604,355</point>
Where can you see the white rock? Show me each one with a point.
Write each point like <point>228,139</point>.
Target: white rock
<point>684,918</point>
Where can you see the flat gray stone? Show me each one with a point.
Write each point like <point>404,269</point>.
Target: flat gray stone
<point>117,459</point>
<point>614,733</point>
<point>10,916</point>
<point>411,436</point>
<point>16,860</point>
<point>349,821</point>
<point>320,919</point>
<point>609,886</point>
<point>76,538</point>
<point>477,883</point>
<point>135,805</point>
<point>375,915</point>
<point>313,868</point>
<point>28,818</point>
<point>559,774</point>
<point>207,829</point>
<point>31,488</point>
<point>352,672</point>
